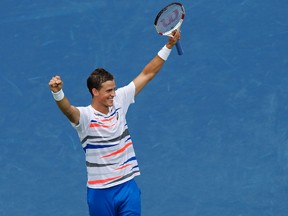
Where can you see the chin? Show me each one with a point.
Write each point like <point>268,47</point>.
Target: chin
<point>110,104</point>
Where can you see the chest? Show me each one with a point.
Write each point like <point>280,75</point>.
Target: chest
<point>108,125</point>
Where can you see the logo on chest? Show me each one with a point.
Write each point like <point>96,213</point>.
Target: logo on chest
<point>101,121</point>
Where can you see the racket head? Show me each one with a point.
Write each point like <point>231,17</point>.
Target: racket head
<point>169,19</point>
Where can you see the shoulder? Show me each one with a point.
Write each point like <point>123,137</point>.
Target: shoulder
<point>126,93</point>
<point>85,109</point>
<point>128,88</point>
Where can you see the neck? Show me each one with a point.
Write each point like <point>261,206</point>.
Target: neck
<point>100,108</point>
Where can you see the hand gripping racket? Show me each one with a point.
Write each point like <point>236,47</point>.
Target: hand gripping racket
<point>170,19</point>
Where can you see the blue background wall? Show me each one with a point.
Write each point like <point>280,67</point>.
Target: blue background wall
<point>210,131</point>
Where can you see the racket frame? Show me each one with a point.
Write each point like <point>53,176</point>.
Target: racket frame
<point>176,27</point>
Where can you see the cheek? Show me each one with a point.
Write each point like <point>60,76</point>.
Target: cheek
<point>104,96</point>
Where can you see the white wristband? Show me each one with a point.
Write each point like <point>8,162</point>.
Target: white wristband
<point>58,96</point>
<point>164,53</point>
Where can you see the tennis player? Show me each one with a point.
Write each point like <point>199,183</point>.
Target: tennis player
<point>102,128</point>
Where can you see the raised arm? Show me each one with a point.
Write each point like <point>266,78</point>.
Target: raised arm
<point>71,112</point>
<point>152,68</point>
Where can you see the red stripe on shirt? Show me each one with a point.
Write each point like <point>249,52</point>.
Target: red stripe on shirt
<point>118,151</point>
<point>102,181</point>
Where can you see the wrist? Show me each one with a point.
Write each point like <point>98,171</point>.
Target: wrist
<point>164,53</point>
<point>58,96</point>
<point>169,46</point>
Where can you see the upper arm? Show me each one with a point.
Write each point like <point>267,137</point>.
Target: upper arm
<point>140,82</point>
<point>70,111</point>
<point>73,115</point>
<point>148,73</point>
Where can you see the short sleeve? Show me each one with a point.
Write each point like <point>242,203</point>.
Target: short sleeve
<point>125,95</point>
<point>83,119</point>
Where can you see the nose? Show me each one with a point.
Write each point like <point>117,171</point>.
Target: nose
<point>113,93</point>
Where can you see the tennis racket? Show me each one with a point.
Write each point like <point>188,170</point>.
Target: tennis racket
<point>170,19</point>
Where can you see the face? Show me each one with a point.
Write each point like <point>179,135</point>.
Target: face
<point>104,96</point>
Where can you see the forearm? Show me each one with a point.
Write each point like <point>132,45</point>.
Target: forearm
<point>153,67</point>
<point>64,105</point>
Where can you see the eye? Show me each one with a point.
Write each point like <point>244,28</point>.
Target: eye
<point>110,90</point>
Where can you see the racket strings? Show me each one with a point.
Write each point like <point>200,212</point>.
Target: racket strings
<point>169,19</point>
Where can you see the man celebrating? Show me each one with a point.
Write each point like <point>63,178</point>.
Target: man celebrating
<point>103,131</point>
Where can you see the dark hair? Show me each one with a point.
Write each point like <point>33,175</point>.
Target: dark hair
<point>97,77</point>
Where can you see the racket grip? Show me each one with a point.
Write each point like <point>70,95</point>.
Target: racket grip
<point>179,48</point>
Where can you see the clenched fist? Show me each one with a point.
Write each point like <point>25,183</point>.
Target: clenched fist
<point>55,84</point>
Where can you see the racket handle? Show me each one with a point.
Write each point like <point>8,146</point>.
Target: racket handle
<point>179,48</point>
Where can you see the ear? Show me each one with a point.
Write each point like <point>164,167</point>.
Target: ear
<point>95,92</point>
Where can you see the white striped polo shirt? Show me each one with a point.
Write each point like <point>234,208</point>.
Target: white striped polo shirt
<point>105,138</point>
